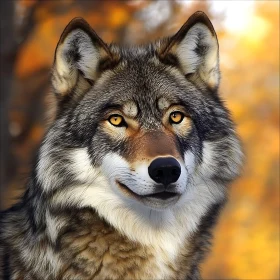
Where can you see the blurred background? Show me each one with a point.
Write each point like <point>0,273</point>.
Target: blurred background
<point>246,243</point>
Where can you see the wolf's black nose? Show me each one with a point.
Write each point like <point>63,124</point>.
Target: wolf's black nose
<point>165,170</point>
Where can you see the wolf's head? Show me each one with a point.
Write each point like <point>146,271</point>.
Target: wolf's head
<point>139,128</point>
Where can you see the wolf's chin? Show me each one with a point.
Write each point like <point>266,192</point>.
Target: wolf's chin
<point>158,200</point>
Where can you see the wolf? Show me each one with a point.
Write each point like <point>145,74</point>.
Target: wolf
<point>132,173</point>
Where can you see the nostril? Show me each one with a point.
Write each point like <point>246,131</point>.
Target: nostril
<point>175,174</point>
<point>158,174</point>
<point>175,171</point>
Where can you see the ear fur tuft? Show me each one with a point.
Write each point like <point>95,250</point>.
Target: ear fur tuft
<point>77,58</point>
<point>196,47</point>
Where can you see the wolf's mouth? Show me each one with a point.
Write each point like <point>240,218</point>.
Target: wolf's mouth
<point>160,195</point>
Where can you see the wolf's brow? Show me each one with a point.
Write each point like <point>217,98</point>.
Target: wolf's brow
<point>111,106</point>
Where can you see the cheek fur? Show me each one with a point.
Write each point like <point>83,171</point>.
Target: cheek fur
<point>182,129</point>
<point>189,160</point>
<point>102,144</point>
<point>115,133</point>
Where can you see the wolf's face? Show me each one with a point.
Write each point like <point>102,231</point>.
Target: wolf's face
<point>148,144</point>
<point>143,126</point>
<point>144,134</point>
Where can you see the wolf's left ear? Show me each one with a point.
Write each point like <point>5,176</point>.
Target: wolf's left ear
<point>78,57</point>
<point>196,48</point>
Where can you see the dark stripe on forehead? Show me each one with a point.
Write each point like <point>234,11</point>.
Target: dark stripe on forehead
<point>110,106</point>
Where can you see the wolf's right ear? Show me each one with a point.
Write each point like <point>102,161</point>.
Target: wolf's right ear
<point>77,58</point>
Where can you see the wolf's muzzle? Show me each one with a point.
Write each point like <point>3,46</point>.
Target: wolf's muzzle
<point>165,170</point>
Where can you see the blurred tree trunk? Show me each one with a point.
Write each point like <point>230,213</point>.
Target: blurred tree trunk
<point>7,60</point>
<point>15,30</point>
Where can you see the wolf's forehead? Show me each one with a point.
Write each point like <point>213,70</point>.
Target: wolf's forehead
<point>145,86</point>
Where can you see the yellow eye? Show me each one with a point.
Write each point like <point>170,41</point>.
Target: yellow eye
<point>116,120</point>
<point>176,117</point>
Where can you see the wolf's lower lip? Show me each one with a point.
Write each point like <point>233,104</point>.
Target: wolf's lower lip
<point>160,195</point>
